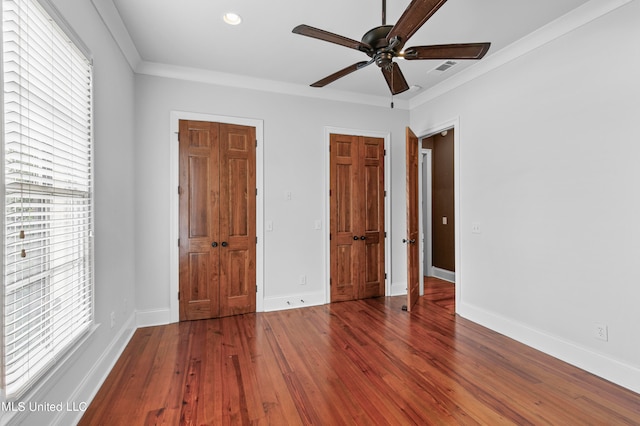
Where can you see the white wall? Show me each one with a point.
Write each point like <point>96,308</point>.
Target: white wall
<point>294,160</point>
<point>78,379</point>
<point>549,149</point>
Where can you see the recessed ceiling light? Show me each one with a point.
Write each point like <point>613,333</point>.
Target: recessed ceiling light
<point>232,18</point>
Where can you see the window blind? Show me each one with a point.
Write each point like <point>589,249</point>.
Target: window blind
<point>48,193</point>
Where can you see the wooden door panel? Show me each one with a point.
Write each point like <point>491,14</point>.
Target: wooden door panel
<point>357,217</point>
<point>238,295</point>
<point>237,199</point>
<point>237,220</point>
<point>199,187</point>
<point>343,267</point>
<point>413,267</point>
<point>201,298</point>
<point>198,225</point>
<point>373,274</point>
<point>372,153</point>
<point>344,200</point>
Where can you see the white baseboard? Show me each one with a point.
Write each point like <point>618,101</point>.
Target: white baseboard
<point>294,301</point>
<point>153,317</point>
<point>443,274</point>
<point>96,376</point>
<point>615,371</point>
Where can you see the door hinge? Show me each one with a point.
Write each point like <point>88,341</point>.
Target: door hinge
<point>330,281</point>
<point>256,192</point>
<point>384,152</point>
<point>179,190</point>
<point>256,240</point>
<point>178,295</point>
<point>329,193</point>
<point>385,234</point>
<point>329,236</point>
<point>385,275</point>
<point>178,242</point>
<point>385,193</point>
<point>256,143</point>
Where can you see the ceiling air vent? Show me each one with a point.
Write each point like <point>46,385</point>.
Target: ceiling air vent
<point>446,65</point>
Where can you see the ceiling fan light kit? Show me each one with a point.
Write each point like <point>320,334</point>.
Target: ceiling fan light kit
<point>384,43</point>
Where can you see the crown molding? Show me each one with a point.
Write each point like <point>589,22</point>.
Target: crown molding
<point>565,24</point>
<point>264,85</point>
<point>112,20</point>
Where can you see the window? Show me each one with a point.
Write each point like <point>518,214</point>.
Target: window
<point>48,194</point>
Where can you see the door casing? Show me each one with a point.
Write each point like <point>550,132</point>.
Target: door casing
<point>387,209</point>
<point>454,124</point>
<point>175,117</point>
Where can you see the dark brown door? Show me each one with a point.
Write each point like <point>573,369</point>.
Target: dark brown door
<point>216,220</point>
<point>413,267</point>
<point>357,217</point>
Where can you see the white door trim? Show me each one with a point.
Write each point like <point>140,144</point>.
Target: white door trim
<point>174,233</point>
<point>426,232</point>
<point>387,206</point>
<point>454,124</point>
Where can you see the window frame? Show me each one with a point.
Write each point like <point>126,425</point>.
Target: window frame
<point>60,356</point>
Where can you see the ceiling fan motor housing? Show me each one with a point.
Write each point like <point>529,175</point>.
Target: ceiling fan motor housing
<point>377,37</point>
<point>381,52</point>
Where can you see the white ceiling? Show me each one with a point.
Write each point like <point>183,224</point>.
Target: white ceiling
<point>192,34</point>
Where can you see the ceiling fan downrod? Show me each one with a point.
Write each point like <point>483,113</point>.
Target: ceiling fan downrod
<point>384,12</point>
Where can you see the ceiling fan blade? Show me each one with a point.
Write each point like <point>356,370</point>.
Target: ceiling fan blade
<point>412,19</point>
<point>447,51</point>
<point>336,75</point>
<point>319,34</point>
<point>395,78</point>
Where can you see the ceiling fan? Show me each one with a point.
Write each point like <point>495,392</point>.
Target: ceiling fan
<point>386,42</point>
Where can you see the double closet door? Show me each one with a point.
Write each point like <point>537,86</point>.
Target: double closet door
<point>217,220</point>
<point>357,217</point>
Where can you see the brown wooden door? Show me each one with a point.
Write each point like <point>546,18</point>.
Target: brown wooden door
<point>216,220</point>
<point>237,220</point>
<point>413,267</point>
<point>357,217</point>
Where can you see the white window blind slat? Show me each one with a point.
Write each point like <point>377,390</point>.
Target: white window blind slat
<point>48,194</point>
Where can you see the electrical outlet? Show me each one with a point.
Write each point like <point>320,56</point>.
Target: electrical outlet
<point>303,280</point>
<point>113,319</point>
<point>600,331</point>
<point>475,228</point>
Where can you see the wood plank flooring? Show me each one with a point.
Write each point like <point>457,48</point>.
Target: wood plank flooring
<point>363,362</point>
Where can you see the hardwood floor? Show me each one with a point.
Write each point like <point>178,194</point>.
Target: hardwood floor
<point>363,362</point>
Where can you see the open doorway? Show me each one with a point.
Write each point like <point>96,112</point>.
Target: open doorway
<point>438,205</point>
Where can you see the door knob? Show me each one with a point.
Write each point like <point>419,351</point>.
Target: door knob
<point>363,238</point>
<point>224,244</point>
<point>355,238</point>
<point>404,240</point>
<point>214,244</point>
